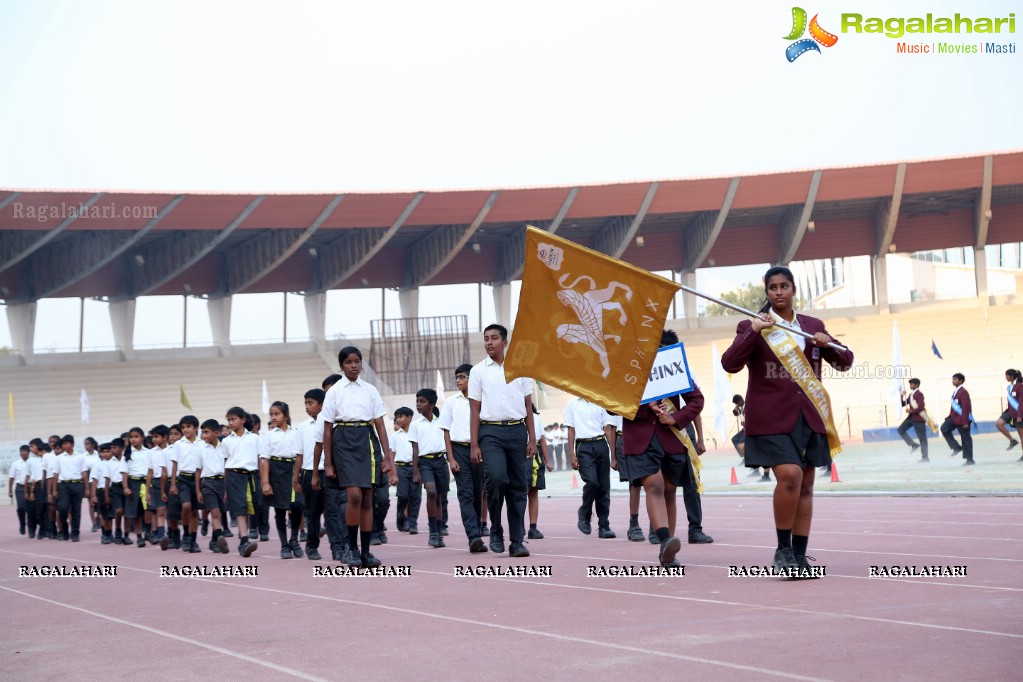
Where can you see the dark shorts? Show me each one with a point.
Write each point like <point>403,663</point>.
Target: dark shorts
<point>281,477</point>
<point>103,508</point>
<point>357,457</point>
<point>155,500</point>
<point>674,466</point>
<point>435,471</point>
<point>116,496</point>
<point>1007,416</point>
<point>239,492</point>
<point>538,475</point>
<point>212,493</point>
<point>186,490</point>
<point>623,475</point>
<point>135,504</point>
<point>802,447</point>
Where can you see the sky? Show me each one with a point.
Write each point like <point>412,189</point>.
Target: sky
<point>349,97</point>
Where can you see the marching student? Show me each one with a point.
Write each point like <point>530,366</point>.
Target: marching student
<point>279,472</point>
<point>91,458</point>
<point>454,420</point>
<point>410,494</point>
<point>209,482</point>
<point>429,460</point>
<point>613,434</point>
<point>99,493</point>
<point>785,429</point>
<point>68,470</point>
<point>358,454</point>
<point>589,452</point>
<point>139,481</point>
<point>655,457</point>
<point>542,463</point>
<point>17,475</point>
<point>35,497</point>
<point>305,447</point>
<point>1013,413</point>
<point>502,438</point>
<point>158,483</point>
<point>241,451</point>
<point>185,457</point>
<point>118,474</point>
<point>959,418</point>
<point>914,404</point>
<point>50,453</point>
<point>335,498</point>
<point>175,435</point>
<point>259,524</point>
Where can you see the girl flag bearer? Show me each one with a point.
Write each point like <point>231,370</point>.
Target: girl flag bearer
<point>359,454</point>
<point>1013,415</point>
<point>789,423</point>
<point>279,472</point>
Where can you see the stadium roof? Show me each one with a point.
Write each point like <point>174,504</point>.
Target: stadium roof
<point>122,245</point>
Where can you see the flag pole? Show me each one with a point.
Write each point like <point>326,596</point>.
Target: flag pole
<point>744,311</point>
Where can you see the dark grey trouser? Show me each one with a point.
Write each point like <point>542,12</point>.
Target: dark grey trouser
<point>469,480</point>
<point>595,470</point>
<point>507,476</point>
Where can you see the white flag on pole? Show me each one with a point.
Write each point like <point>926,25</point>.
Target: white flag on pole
<point>266,399</point>
<point>84,400</point>
<point>440,389</point>
<point>722,392</point>
<point>897,388</point>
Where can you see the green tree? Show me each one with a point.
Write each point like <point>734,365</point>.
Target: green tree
<point>749,296</point>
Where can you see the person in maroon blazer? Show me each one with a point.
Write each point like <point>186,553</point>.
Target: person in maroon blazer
<point>1013,414</point>
<point>914,404</point>
<point>654,457</point>
<point>783,429</point>
<point>959,419</point>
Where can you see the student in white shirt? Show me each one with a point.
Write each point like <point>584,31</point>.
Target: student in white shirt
<point>139,480</point>
<point>410,494</point>
<point>99,492</point>
<point>502,437</point>
<point>355,438</point>
<point>454,419</point>
<point>119,489</point>
<point>92,458</point>
<point>69,470</point>
<point>16,487</point>
<point>157,502</point>
<point>279,472</point>
<point>241,450</point>
<point>34,495</point>
<point>335,498</point>
<point>185,457</point>
<point>429,460</point>
<point>590,452</point>
<point>541,464</point>
<point>209,479</point>
<point>305,447</point>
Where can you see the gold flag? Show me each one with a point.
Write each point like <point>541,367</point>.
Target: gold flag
<point>184,398</point>
<point>10,407</point>
<point>587,323</point>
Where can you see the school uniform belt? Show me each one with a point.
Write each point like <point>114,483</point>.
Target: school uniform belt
<point>239,471</point>
<point>343,423</point>
<point>186,474</point>
<point>403,464</point>
<point>282,459</point>
<point>589,440</point>
<point>136,478</point>
<point>213,478</point>
<point>458,442</point>
<point>76,480</point>
<point>512,422</point>
<point>433,455</point>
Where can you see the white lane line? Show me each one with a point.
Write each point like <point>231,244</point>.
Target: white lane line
<point>170,635</point>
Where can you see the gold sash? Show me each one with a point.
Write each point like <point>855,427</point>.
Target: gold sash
<point>923,413</point>
<point>694,456</point>
<point>799,369</point>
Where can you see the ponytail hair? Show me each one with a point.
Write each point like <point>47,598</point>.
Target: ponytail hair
<point>772,272</point>
<point>128,449</point>
<point>1015,374</point>
<point>283,407</point>
<point>241,414</point>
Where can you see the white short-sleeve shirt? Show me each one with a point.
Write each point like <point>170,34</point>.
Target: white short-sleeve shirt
<point>304,442</point>
<point>352,401</point>
<point>427,435</point>
<point>275,442</point>
<point>212,458</point>
<point>402,447</point>
<point>454,418</point>
<point>499,400</point>
<point>70,467</point>
<point>242,451</point>
<point>139,465</point>
<point>587,419</point>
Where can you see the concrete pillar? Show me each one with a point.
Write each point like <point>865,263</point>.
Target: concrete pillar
<point>316,318</point>
<point>219,310</point>
<point>881,283</point>
<point>980,272</point>
<point>122,321</point>
<point>502,304</point>
<point>689,301</point>
<point>22,320</point>
<point>409,301</point>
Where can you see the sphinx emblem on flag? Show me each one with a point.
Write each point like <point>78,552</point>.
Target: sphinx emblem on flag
<point>589,306</point>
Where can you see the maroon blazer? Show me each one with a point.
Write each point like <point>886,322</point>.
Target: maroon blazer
<point>773,399</point>
<point>639,431</point>
<point>914,414</point>
<point>964,402</point>
<point>1017,393</point>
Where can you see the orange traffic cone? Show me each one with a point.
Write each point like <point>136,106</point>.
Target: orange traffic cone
<point>735,480</point>
<point>834,473</point>
<point>575,481</point>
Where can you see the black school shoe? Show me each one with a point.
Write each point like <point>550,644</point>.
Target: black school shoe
<point>247,548</point>
<point>286,552</point>
<point>353,558</point>
<point>496,543</point>
<point>370,561</point>
<point>435,540</point>
<point>484,530</point>
<point>584,522</point>
<point>635,534</point>
<point>313,555</point>
<point>804,571</point>
<point>784,559</point>
<point>195,548</point>
<point>226,532</point>
<point>374,538</point>
<point>534,534</point>
<point>296,549</point>
<point>221,545</point>
<point>605,533</point>
<point>141,542</point>
<point>383,537</point>
<point>413,529</point>
<point>517,550</point>
<point>205,527</point>
<point>477,546</point>
<point>303,536</point>
<point>669,548</point>
<point>698,537</point>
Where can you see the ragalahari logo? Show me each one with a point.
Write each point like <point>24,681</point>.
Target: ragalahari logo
<point>817,35</point>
